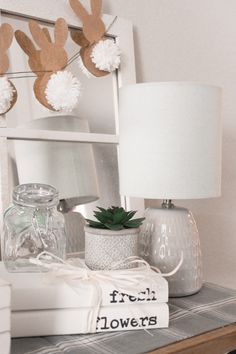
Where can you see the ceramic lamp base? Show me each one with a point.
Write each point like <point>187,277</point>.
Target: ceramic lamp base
<point>165,234</point>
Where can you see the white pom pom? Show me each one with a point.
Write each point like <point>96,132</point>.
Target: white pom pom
<point>63,91</point>
<point>84,69</point>
<point>6,94</point>
<point>106,55</point>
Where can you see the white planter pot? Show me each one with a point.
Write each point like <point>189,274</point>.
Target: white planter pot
<point>106,247</point>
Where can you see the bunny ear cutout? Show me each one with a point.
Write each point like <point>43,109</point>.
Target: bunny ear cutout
<point>96,7</point>
<point>79,38</point>
<point>25,43</point>
<point>6,36</point>
<point>47,34</point>
<point>38,34</point>
<point>61,32</point>
<point>29,48</point>
<point>79,10</point>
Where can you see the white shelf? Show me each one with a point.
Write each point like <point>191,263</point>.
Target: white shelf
<point>53,135</point>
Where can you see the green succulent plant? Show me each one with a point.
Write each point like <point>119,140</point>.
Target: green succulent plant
<point>114,218</point>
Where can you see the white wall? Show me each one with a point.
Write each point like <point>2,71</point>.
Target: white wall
<point>195,40</point>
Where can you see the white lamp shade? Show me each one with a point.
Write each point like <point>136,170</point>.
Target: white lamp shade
<point>69,167</point>
<point>170,140</point>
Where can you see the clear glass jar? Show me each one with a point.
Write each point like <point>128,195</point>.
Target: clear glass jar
<point>32,225</point>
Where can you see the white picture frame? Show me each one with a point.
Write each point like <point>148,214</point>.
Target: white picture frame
<point>49,11</point>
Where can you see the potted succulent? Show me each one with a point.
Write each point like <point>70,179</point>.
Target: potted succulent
<point>111,238</point>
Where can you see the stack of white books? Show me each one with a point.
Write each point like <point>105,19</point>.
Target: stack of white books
<point>42,305</point>
<point>5,299</point>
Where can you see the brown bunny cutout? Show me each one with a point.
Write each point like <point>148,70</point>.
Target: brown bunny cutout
<point>93,31</point>
<point>49,58</point>
<point>6,37</point>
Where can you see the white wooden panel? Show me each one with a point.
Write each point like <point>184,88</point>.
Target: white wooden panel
<point>49,11</point>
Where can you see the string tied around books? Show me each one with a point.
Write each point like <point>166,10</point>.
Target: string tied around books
<point>125,280</point>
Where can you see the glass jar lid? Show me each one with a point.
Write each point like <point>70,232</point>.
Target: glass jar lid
<point>35,195</point>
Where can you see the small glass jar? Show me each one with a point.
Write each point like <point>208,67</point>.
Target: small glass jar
<point>32,225</point>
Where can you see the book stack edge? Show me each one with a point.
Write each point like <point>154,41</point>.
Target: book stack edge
<point>43,305</point>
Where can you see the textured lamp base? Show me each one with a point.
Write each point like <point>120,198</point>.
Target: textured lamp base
<point>165,234</point>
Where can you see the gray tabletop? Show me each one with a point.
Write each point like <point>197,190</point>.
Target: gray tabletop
<point>213,307</point>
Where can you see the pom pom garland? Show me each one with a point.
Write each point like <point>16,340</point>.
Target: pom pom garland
<point>106,55</point>
<point>6,94</point>
<point>63,91</point>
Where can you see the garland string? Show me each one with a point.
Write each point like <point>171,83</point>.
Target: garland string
<point>70,61</point>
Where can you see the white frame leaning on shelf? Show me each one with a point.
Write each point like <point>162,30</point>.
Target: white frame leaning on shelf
<point>49,11</point>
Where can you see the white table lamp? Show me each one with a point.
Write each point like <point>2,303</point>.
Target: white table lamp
<point>170,148</point>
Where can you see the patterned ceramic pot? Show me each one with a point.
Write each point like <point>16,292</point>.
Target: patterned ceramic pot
<point>106,247</point>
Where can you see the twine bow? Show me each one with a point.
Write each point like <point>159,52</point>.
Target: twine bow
<point>127,280</point>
